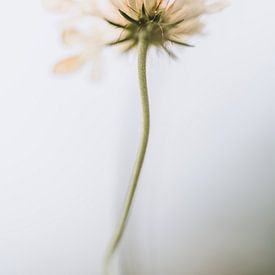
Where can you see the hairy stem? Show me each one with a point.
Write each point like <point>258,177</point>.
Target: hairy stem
<point>142,57</point>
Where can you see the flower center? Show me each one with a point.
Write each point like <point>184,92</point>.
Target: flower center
<point>149,25</point>
<point>152,25</point>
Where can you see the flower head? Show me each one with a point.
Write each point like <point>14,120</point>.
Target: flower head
<point>159,22</point>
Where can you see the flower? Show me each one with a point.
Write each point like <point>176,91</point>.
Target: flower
<point>159,22</point>
<point>142,23</point>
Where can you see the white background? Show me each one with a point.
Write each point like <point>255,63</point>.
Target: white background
<point>205,205</point>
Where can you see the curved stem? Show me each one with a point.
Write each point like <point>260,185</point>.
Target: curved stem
<point>142,57</point>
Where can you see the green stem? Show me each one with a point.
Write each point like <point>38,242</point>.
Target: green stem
<point>142,57</point>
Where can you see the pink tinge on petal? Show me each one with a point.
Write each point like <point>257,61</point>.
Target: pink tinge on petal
<point>69,65</point>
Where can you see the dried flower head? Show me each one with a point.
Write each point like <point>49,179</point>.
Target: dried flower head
<point>159,22</point>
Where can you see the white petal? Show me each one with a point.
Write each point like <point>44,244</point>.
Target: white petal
<point>58,5</point>
<point>218,6</point>
<point>72,36</point>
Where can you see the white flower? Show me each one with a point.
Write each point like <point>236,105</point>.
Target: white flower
<point>160,22</point>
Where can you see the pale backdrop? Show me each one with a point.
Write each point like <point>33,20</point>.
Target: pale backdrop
<point>205,205</point>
